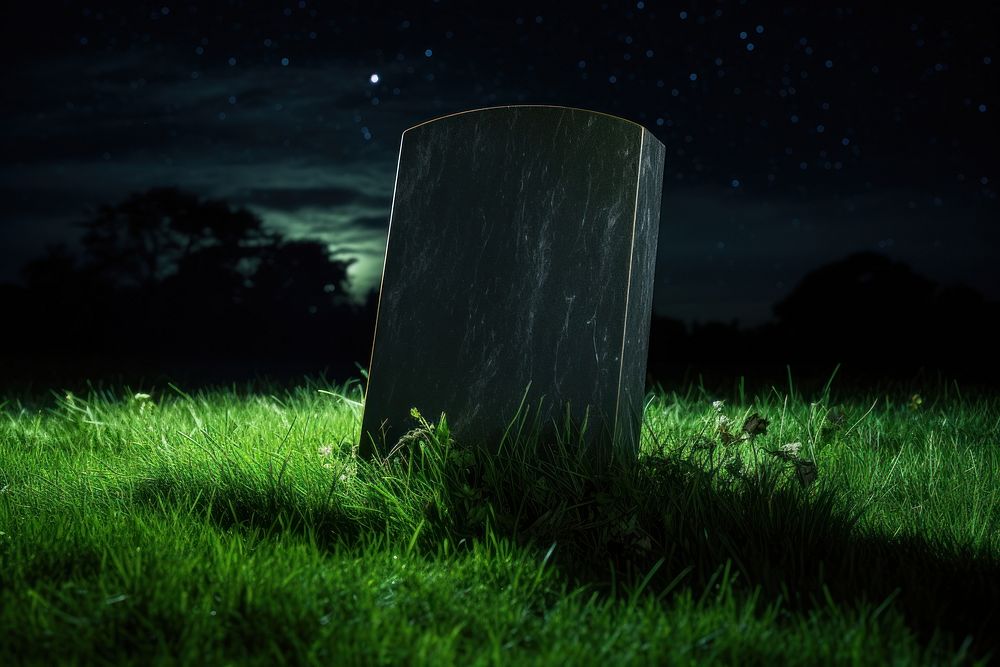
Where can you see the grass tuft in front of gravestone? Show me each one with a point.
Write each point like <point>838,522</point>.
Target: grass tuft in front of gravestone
<point>540,486</point>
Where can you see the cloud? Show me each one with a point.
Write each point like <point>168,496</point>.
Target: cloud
<point>379,222</point>
<point>136,105</point>
<point>345,238</point>
<point>285,142</point>
<point>349,250</point>
<point>295,199</point>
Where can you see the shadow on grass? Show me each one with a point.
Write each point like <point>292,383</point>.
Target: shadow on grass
<point>664,522</point>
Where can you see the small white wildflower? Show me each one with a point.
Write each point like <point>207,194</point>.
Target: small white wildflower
<point>718,405</point>
<point>791,450</point>
<point>326,450</point>
<point>722,422</point>
<point>142,397</point>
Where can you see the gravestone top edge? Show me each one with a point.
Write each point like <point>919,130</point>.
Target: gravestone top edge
<point>558,107</point>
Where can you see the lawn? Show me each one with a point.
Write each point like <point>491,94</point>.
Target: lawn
<point>236,525</point>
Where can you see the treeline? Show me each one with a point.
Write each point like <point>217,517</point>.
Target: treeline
<point>169,285</point>
<point>166,283</point>
<point>869,313</point>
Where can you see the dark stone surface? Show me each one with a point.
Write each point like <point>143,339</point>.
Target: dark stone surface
<point>521,249</point>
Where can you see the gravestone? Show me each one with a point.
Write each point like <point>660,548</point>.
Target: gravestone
<point>519,265</point>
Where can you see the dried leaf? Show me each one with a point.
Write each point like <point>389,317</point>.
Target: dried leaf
<point>755,425</point>
<point>806,472</point>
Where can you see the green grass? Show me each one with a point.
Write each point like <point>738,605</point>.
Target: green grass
<point>236,525</point>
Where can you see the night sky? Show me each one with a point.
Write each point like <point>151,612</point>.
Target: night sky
<point>795,134</point>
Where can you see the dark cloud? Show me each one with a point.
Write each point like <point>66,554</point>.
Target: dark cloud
<point>20,203</point>
<point>380,222</point>
<point>296,199</point>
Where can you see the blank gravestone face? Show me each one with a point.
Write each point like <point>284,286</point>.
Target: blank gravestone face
<point>521,249</point>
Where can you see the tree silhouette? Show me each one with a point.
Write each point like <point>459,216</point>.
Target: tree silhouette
<point>165,238</point>
<point>300,276</point>
<point>869,307</point>
<point>863,287</point>
<point>148,237</point>
<point>168,274</point>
